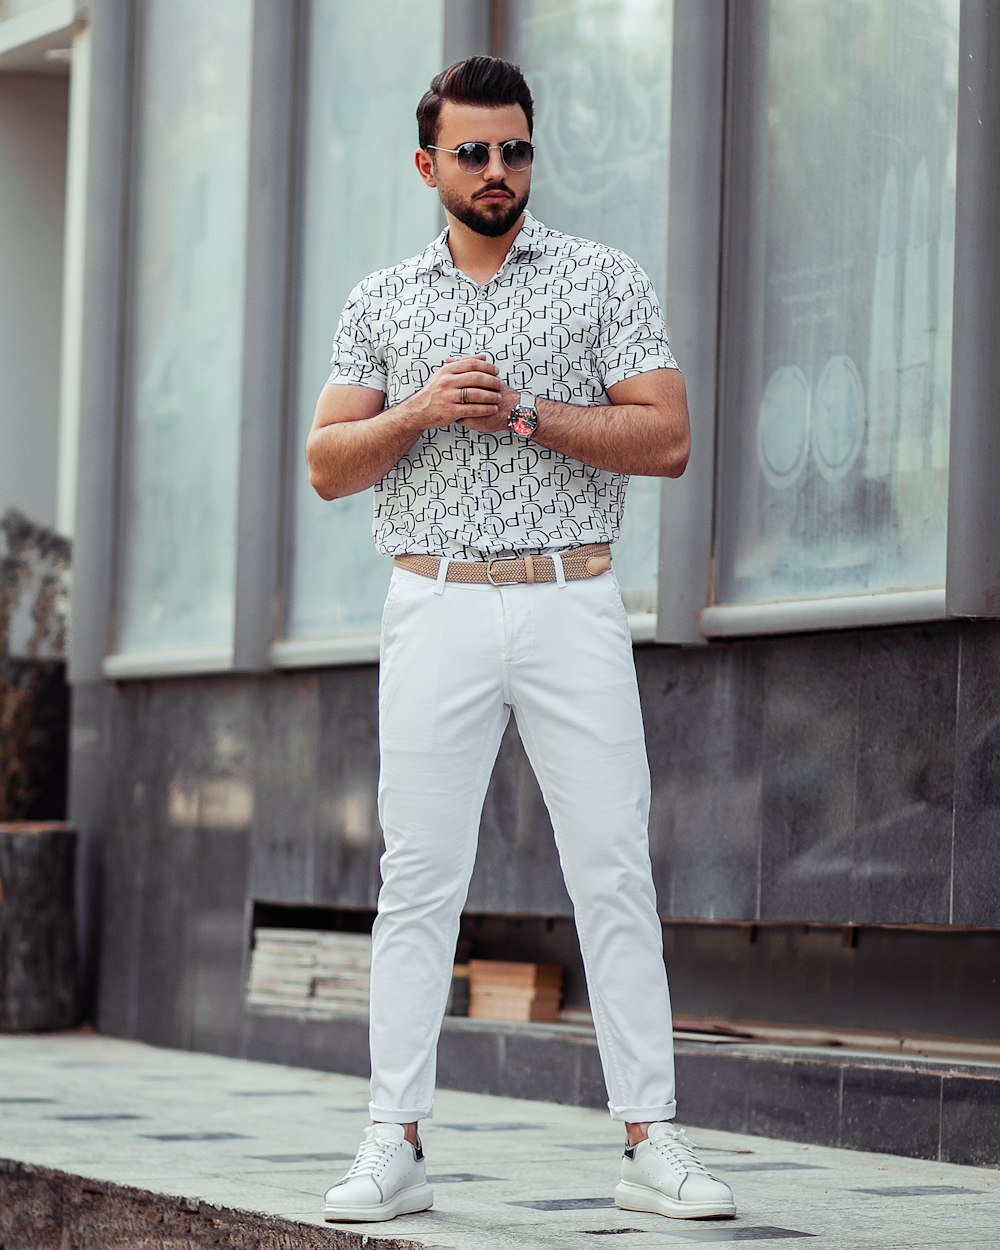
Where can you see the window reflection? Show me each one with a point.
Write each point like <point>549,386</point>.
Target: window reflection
<point>839,324</point>
<point>185,325</point>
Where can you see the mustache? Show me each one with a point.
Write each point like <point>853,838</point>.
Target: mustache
<point>499,186</point>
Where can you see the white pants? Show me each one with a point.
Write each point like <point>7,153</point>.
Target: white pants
<point>456,660</point>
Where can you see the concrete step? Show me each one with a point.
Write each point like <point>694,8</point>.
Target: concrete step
<point>927,1107</point>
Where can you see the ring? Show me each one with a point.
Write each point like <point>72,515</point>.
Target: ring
<point>464,395</point>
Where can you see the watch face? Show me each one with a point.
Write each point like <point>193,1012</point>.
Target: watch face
<point>524,422</point>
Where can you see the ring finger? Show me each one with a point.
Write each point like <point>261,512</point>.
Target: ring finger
<point>478,395</point>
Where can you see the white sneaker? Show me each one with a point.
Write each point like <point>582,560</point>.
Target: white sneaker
<point>387,1178</point>
<point>663,1174</point>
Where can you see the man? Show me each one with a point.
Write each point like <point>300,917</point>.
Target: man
<point>496,391</point>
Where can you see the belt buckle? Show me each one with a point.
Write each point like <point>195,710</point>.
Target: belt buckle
<point>497,560</point>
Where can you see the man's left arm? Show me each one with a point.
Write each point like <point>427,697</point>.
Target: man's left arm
<point>645,430</point>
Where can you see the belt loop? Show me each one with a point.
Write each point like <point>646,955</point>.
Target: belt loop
<point>529,569</point>
<point>442,576</point>
<point>557,566</point>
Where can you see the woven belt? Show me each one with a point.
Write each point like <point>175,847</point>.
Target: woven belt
<point>577,563</point>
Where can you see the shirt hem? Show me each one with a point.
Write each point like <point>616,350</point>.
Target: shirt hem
<point>620,375</point>
<point>477,555</point>
<point>342,379</point>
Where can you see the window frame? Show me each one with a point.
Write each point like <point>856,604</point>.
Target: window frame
<point>697,154</point>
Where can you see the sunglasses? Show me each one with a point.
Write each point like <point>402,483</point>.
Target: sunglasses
<point>473,157</point>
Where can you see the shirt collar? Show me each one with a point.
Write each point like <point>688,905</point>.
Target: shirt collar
<point>527,241</point>
<point>435,255</point>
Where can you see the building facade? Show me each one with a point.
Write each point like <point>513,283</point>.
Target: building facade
<point>811,185</point>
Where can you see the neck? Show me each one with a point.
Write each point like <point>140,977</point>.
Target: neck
<point>478,255</point>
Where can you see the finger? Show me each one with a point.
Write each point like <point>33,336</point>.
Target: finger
<point>474,411</point>
<point>478,397</point>
<point>474,364</point>
<point>481,382</point>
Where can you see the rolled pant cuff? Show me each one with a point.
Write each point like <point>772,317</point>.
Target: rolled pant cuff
<point>644,1115</point>
<point>395,1115</point>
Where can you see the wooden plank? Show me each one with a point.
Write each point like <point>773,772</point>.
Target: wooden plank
<point>505,972</point>
<point>514,1007</point>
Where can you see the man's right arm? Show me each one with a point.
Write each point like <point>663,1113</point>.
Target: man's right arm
<point>354,442</point>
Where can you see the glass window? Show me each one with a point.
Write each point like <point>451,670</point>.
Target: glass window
<point>834,436</point>
<point>363,207</point>
<point>600,75</point>
<point>185,325</point>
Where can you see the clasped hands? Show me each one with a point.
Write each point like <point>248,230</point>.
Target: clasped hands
<point>468,391</point>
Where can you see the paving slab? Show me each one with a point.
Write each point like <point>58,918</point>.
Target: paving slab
<point>111,1143</point>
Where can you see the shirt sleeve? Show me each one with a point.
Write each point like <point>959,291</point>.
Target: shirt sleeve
<point>355,360</point>
<point>632,338</point>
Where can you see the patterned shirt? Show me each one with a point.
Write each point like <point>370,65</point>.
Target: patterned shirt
<point>563,318</point>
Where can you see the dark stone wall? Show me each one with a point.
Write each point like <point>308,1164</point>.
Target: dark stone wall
<point>842,778</point>
<point>846,777</point>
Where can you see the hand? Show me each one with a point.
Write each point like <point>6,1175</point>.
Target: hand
<point>497,420</point>
<point>439,402</point>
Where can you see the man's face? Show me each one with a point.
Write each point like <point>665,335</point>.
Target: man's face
<point>491,201</point>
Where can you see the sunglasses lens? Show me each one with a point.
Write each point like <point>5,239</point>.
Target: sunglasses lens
<point>517,153</point>
<point>473,157</point>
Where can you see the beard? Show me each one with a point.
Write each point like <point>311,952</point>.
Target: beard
<point>491,220</point>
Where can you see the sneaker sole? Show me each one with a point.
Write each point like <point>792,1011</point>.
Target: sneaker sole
<point>407,1202</point>
<point>639,1198</point>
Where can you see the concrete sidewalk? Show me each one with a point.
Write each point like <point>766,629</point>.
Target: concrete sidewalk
<point>195,1150</point>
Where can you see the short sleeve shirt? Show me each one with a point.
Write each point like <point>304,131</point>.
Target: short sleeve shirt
<point>565,319</point>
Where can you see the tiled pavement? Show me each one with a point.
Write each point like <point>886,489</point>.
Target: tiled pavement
<point>253,1137</point>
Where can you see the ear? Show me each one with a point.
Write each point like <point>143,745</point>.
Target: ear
<point>425,167</point>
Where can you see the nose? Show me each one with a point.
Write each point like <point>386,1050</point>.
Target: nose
<point>496,170</point>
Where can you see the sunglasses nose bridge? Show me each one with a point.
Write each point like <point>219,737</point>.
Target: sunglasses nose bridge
<point>495,166</point>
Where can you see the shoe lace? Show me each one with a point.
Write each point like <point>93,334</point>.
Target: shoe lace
<point>679,1151</point>
<point>372,1153</point>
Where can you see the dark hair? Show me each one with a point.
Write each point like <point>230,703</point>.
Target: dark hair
<point>478,80</point>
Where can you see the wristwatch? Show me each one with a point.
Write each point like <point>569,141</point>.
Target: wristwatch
<point>523,419</point>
